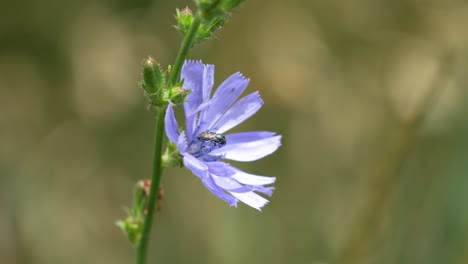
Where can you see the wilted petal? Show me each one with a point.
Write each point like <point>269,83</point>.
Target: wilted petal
<point>197,166</point>
<point>252,179</point>
<point>216,190</point>
<point>249,151</point>
<point>239,112</point>
<point>226,94</point>
<point>172,128</point>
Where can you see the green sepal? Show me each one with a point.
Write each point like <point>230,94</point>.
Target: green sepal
<point>172,157</point>
<point>207,30</point>
<point>178,94</point>
<point>184,19</point>
<point>132,226</point>
<point>132,229</point>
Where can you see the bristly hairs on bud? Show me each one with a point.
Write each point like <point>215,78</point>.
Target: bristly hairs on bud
<point>153,81</point>
<point>178,94</point>
<point>206,30</point>
<point>184,19</point>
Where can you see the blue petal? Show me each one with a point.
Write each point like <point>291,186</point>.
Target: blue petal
<point>248,197</point>
<point>200,169</point>
<point>182,142</point>
<point>248,136</point>
<point>265,190</point>
<point>192,74</point>
<point>191,126</point>
<point>239,112</point>
<point>248,150</point>
<point>224,97</point>
<point>208,81</point>
<point>252,199</point>
<point>231,185</point>
<point>252,179</point>
<point>221,169</point>
<point>247,188</point>
<point>172,128</point>
<point>197,166</point>
<point>218,192</point>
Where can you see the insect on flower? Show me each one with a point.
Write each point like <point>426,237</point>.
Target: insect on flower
<point>204,144</point>
<point>218,139</point>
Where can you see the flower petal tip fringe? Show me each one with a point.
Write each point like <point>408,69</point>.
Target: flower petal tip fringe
<point>203,144</point>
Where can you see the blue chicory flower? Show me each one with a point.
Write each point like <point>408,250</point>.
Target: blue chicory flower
<point>203,144</point>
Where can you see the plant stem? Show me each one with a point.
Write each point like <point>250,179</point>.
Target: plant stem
<point>154,187</point>
<point>184,49</point>
<point>158,142</point>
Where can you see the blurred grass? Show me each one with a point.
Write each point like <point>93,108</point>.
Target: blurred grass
<point>338,79</point>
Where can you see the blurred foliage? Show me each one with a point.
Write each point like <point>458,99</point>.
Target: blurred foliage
<point>339,79</point>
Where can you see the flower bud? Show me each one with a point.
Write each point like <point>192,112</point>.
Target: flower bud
<point>153,77</point>
<point>178,94</point>
<point>184,19</point>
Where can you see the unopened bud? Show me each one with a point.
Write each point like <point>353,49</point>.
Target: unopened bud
<point>184,19</point>
<point>153,78</point>
<point>186,12</point>
<point>177,95</point>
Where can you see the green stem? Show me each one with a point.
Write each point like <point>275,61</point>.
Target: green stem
<point>158,142</point>
<point>184,49</point>
<point>154,187</point>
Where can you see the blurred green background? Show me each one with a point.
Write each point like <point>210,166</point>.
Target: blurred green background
<point>359,178</point>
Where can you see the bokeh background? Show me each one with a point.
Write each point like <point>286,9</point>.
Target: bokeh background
<point>369,95</point>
